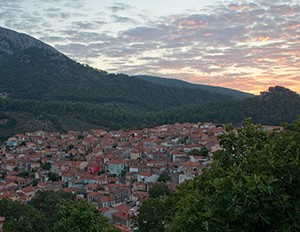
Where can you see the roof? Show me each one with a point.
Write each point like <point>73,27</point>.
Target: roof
<point>105,199</point>
<point>27,189</point>
<point>122,215</point>
<point>145,174</point>
<point>68,174</point>
<point>116,162</point>
<point>191,164</point>
<point>122,207</point>
<point>104,209</point>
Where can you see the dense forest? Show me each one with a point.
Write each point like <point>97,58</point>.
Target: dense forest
<point>273,107</point>
<point>183,84</point>
<point>252,185</point>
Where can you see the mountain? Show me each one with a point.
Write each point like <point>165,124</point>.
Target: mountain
<point>42,89</point>
<point>37,71</point>
<point>272,107</point>
<point>183,84</point>
<point>12,42</point>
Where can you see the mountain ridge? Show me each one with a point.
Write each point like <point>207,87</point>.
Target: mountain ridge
<point>171,82</point>
<point>12,41</point>
<point>42,88</point>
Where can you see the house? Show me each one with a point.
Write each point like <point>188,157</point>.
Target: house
<point>18,180</point>
<point>56,168</point>
<point>87,178</point>
<point>68,176</point>
<point>26,194</point>
<point>28,191</point>
<point>183,177</point>
<point>191,147</point>
<point>93,168</point>
<point>139,196</point>
<point>108,211</point>
<point>116,167</point>
<point>92,187</point>
<point>106,202</point>
<point>135,154</point>
<point>24,164</point>
<point>133,169</point>
<point>177,154</point>
<point>75,183</point>
<point>122,218</point>
<point>92,197</point>
<point>139,186</point>
<point>119,194</point>
<point>147,177</point>
<point>191,167</point>
<point>43,185</point>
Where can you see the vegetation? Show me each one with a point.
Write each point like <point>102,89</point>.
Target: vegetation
<point>159,190</point>
<point>272,107</point>
<point>52,211</point>
<point>252,185</point>
<point>182,84</point>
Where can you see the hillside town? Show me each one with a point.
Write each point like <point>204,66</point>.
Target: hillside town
<point>111,170</point>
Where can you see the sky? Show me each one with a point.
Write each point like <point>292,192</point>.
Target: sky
<point>247,45</point>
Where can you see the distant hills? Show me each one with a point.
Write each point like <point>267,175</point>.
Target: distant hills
<point>40,88</point>
<point>183,84</point>
<point>37,71</point>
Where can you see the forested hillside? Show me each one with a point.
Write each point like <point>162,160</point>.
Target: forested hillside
<point>182,84</point>
<point>42,89</point>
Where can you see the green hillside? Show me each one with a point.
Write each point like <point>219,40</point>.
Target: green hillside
<point>35,73</point>
<point>183,84</point>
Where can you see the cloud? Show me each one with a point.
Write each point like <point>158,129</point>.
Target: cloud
<point>240,44</point>
<point>76,4</point>
<point>119,6</point>
<point>121,19</point>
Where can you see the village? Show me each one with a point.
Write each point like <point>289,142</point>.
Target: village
<point>111,170</point>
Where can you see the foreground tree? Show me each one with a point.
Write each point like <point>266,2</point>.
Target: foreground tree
<point>159,189</point>
<point>154,215</point>
<point>53,211</point>
<point>79,217</point>
<point>252,185</point>
<point>21,217</point>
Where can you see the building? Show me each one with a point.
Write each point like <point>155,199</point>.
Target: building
<point>116,167</point>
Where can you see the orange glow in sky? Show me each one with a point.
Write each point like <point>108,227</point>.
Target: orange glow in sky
<point>247,45</point>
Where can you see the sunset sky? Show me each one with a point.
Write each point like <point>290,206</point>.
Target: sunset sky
<point>244,45</point>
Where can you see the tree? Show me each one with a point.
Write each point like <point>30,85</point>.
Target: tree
<point>253,184</point>
<point>66,214</point>
<point>164,177</point>
<point>21,217</point>
<point>159,190</point>
<point>46,166</point>
<point>53,176</point>
<point>48,201</point>
<point>79,217</point>
<point>154,215</point>
<point>196,152</point>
